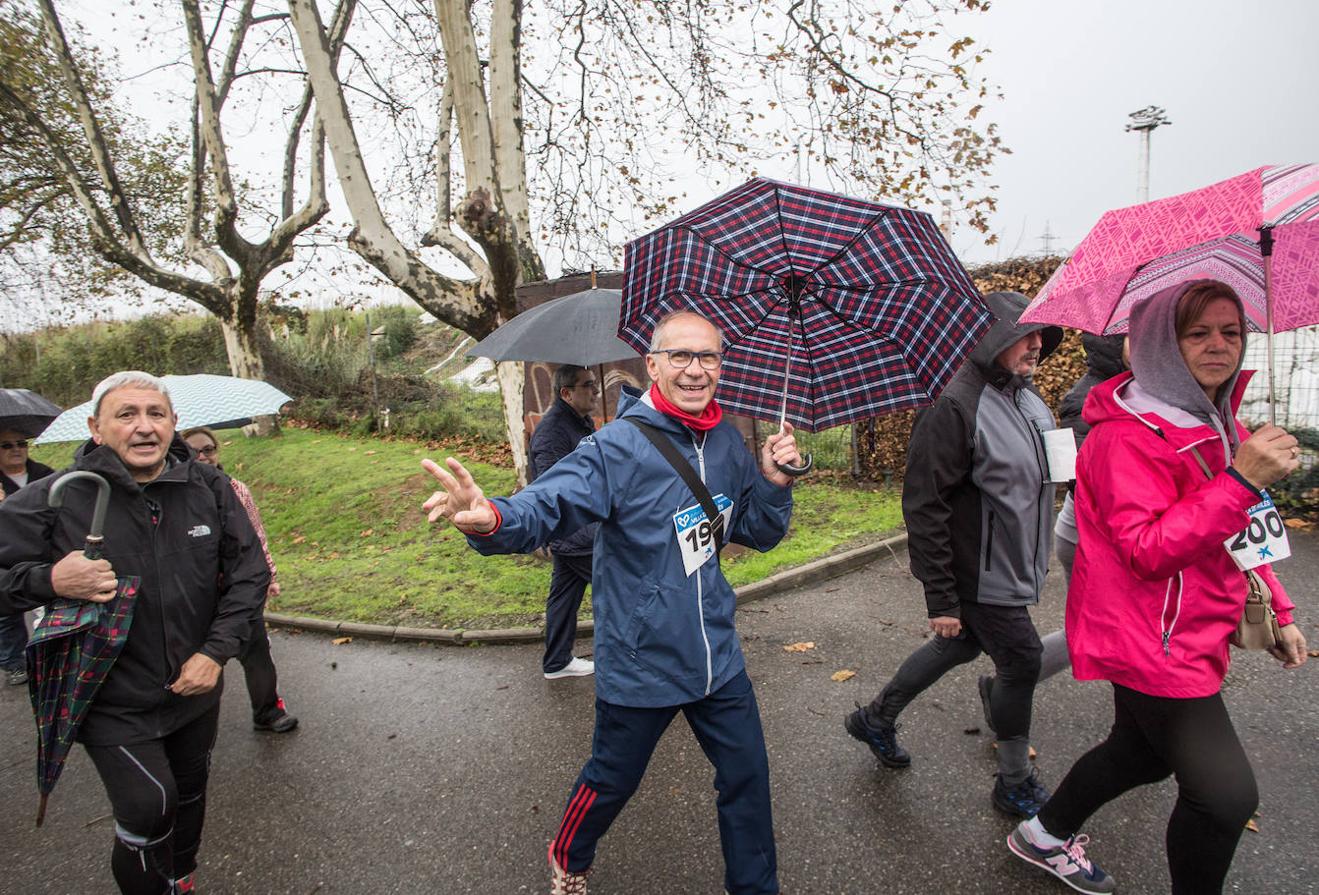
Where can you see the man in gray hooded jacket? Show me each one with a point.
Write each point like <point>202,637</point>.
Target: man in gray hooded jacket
<point>979,513</point>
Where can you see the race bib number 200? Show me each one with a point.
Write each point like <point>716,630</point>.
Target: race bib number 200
<point>695,534</point>
<point>1264,540</point>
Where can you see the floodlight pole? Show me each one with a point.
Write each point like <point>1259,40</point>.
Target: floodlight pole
<point>1145,121</point>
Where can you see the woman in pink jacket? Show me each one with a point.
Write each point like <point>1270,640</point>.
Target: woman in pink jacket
<point>1155,595</point>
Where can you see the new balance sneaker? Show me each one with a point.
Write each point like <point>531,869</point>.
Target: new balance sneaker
<point>1023,800</point>
<point>881,738</point>
<point>562,882</point>
<point>16,677</point>
<point>576,668</point>
<point>1067,861</point>
<point>986,686</point>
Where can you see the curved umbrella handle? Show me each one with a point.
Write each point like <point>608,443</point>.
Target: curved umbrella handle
<point>793,470</point>
<point>95,542</point>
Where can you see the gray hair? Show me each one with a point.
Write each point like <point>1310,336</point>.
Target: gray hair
<point>672,315</point>
<point>125,378</point>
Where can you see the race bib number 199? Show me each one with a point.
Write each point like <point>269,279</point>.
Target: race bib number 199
<point>1264,540</point>
<point>696,536</point>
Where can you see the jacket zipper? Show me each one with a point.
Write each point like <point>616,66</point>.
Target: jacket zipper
<point>1033,430</point>
<point>1167,632</point>
<point>989,543</point>
<point>700,602</point>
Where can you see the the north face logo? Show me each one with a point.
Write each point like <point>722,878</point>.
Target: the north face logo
<point>199,531</point>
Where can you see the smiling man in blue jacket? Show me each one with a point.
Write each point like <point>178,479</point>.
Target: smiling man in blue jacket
<point>664,635</point>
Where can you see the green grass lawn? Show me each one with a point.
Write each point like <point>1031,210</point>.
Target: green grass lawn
<point>349,539</point>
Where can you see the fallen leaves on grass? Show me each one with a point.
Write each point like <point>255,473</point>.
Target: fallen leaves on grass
<point>840,676</point>
<point>367,532</point>
<point>340,641</point>
<point>300,539</point>
<point>799,647</point>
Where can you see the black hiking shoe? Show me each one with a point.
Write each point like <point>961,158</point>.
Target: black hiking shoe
<point>280,722</point>
<point>1023,800</point>
<point>881,738</point>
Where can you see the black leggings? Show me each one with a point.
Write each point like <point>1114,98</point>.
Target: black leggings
<point>157,791</point>
<point>1153,737</point>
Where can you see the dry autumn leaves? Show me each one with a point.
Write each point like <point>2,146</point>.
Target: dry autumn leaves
<point>803,646</point>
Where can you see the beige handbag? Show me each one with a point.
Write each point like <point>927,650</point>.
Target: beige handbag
<point>1258,628</point>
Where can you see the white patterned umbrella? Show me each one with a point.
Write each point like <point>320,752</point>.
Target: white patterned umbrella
<point>202,399</point>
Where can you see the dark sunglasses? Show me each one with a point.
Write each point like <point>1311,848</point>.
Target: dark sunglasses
<point>10,445</point>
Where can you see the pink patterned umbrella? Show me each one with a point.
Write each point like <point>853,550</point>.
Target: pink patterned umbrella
<point>1258,232</point>
<point>1218,232</point>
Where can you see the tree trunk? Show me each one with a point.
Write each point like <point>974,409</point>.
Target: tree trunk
<point>512,376</point>
<point>244,353</point>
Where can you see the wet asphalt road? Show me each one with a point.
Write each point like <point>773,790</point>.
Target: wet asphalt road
<point>442,769</point>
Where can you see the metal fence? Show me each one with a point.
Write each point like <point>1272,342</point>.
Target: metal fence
<point>1296,380</point>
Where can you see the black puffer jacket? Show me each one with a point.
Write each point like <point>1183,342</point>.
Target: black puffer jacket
<point>203,578</point>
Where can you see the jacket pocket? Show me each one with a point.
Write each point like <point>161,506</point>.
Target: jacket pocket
<point>645,606</point>
<point>989,544</point>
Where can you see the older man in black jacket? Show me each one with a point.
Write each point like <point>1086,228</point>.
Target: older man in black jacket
<point>176,527</point>
<point>564,425</point>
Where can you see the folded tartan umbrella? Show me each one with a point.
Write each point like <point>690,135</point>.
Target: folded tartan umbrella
<point>72,650</point>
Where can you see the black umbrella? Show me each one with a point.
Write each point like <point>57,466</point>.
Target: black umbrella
<point>25,412</point>
<point>580,329</point>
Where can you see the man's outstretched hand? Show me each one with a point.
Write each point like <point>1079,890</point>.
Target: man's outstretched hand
<point>462,501</point>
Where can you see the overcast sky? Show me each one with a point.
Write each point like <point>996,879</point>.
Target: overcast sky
<point>1239,81</point>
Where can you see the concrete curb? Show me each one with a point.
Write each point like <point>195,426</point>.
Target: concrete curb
<point>801,576</point>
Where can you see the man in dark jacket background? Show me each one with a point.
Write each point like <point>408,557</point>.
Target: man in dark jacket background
<point>560,430</point>
<point>176,526</point>
<point>979,512</point>
<point>16,470</point>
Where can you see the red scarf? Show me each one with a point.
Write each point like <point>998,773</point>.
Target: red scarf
<point>708,419</point>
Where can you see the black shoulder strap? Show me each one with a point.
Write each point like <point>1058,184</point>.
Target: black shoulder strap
<point>684,469</point>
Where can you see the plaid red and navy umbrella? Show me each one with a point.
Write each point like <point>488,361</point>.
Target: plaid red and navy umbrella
<point>73,648</point>
<point>861,309</point>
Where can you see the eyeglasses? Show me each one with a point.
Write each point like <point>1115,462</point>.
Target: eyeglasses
<point>592,385</point>
<point>681,359</point>
<point>10,445</point>
<point>208,451</point>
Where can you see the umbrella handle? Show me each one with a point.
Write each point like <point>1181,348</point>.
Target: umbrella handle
<point>95,537</point>
<point>794,470</point>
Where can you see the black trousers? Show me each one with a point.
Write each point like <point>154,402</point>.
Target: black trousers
<point>568,584</point>
<point>1007,634</point>
<point>1153,737</point>
<point>157,792</point>
<point>259,670</point>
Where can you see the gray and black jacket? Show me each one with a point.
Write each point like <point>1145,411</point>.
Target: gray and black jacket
<point>979,513</point>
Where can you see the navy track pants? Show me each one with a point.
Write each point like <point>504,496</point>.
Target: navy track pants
<point>727,725</point>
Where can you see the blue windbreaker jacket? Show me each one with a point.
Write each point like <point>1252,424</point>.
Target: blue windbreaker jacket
<point>661,637</point>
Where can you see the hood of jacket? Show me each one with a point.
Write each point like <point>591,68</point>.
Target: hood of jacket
<point>1007,308</point>
<point>1103,354</point>
<point>104,461</point>
<point>1157,363</point>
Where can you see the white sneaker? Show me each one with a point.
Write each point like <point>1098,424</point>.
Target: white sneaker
<point>575,668</point>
